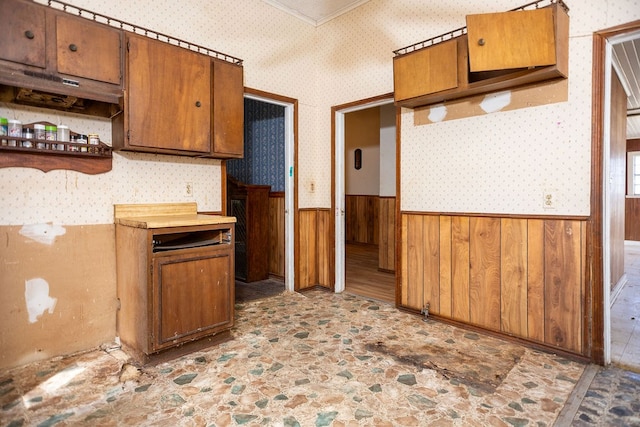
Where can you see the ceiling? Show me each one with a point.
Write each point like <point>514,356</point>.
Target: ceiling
<point>626,55</point>
<point>316,12</point>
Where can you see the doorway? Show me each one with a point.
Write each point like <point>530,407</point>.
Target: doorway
<point>364,195</point>
<point>278,113</point>
<point>606,211</point>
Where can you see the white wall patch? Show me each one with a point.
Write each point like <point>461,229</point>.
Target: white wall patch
<point>42,233</point>
<point>496,101</point>
<point>36,295</point>
<point>437,113</point>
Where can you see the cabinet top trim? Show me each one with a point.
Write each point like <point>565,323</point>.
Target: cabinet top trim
<point>116,23</point>
<point>463,30</point>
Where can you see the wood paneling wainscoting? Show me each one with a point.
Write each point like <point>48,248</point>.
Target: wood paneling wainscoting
<point>315,248</point>
<point>387,239</point>
<point>632,219</point>
<point>372,220</point>
<point>522,277</point>
<point>276,234</point>
<point>361,219</point>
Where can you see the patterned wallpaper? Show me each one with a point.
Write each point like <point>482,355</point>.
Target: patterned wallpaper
<point>500,162</point>
<point>263,161</point>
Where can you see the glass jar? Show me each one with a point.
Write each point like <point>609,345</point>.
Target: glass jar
<point>15,130</point>
<point>4,129</point>
<point>27,134</point>
<point>38,131</point>
<point>62,135</point>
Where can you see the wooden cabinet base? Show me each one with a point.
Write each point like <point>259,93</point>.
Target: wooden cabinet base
<point>175,352</point>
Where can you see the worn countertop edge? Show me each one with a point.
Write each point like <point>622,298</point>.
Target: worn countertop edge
<point>162,221</point>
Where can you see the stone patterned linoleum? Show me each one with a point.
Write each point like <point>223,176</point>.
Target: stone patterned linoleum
<point>313,359</point>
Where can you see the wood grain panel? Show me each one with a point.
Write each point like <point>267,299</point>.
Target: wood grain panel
<point>387,234</point>
<point>513,281</point>
<point>445,266</point>
<point>632,219</point>
<point>413,296</point>
<point>484,272</point>
<point>308,274</point>
<point>276,235</point>
<point>404,259</point>
<point>618,177</point>
<point>563,308</point>
<point>324,251</point>
<point>361,219</point>
<point>431,261</point>
<point>520,276</point>
<point>460,268</point>
<point>535,280</point>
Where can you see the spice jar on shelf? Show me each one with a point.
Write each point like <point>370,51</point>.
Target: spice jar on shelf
<point>4,130</point>
<point>15,131</point>
<point>27,134</point>
<point>62,135</point>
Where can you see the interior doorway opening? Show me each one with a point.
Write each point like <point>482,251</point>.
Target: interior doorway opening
<point>261,194</point>
<point>365,198</point>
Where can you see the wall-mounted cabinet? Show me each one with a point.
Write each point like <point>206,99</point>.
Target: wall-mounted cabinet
<point>496,51</point>
<point>179,102</point>
<point>167,107</point>
<point>56,60</point>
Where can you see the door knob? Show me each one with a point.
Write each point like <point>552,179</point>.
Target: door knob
<point>73,47</point>
<point>29,34</point>
<point>481,42</point>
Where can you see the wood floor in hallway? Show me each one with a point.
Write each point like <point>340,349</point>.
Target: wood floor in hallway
<point>363,277</point>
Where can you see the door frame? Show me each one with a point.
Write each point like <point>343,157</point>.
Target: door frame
<point>598,231</point>
<point>291,190</point>
<point>337,180</point>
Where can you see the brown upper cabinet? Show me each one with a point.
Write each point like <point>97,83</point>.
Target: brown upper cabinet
<point>176,99</point>
<point>50,51</point>
<point>228,110</point>
<point>167,104</point>
<point>498,51</point>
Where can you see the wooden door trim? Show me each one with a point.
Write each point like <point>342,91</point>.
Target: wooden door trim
<point>595,273</point>
<point>332,216</point>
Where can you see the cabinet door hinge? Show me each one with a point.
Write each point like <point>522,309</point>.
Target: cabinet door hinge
<point>128,135</point>
<point>128,45</point>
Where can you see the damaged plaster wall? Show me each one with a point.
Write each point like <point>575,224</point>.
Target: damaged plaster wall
<point>57,290</point>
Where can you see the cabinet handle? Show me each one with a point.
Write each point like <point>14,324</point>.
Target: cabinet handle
<point>29,34</point>
<point>198,104</point>
<point>481,42</point>
<point>73,47</point>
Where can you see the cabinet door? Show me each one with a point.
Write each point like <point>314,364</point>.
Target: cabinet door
<point>168,97</point>
<point>429,70</point>
<point>192,297</point>
<point>88,50</point>
<point>228,110</point>
<point>23,33</point>
<point>519,39</point>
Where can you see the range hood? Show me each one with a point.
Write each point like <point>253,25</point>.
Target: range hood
<point>54,92</point>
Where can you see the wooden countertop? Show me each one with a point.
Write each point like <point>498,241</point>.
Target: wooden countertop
<point>162,221</point>
<point>165,215</point>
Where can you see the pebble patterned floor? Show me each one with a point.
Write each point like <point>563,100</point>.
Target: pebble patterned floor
<point>613,399</point>
<point>313,359</point>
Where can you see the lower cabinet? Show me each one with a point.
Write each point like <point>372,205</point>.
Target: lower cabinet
<point>175,286</point>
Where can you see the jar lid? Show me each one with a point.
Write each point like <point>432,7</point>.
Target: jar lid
<point>18,122</point>
<point>3,120</point>
<point>50,127</point>
<point>63,127</point>
<point>38,126</point>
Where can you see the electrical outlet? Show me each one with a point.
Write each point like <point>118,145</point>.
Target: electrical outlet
<point>188,189</point>
<point>549,200</point>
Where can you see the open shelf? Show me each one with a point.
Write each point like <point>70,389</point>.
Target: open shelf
<point>86,158</point>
